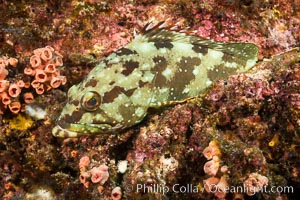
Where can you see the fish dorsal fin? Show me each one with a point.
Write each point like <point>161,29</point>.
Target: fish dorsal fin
<point>244,54</point>
<point>162,32</point>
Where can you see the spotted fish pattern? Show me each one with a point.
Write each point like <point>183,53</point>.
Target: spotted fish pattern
<point>158,67</point>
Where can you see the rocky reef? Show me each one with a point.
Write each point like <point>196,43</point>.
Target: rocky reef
<point>239,140</point>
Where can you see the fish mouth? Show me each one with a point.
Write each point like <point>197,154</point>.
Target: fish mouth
<point>63,129</point>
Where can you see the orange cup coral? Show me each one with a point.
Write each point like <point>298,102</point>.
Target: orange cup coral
<point>116,193</point>
<point>84,176</point>
<point>84,162</point>
<point>5,98</point>
<point>15,107</point>
<point>13,62</point>
<point>3,72</point>
<point>14,90</point>
<point>46,53</point>
<point>210,184</point>
<point>44,66</point>
<point>211,167</point>
<point>212,150</point>
<point>99,174</point>
<point>3,85</point>
<point>28,97</point>
<point>40,89</point>
<point>55,82</point>
<point>29,71</point>
<point>42,75</point>
<point>255,183</point>
<point>35,61</point>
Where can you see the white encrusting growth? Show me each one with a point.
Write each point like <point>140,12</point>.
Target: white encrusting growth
<point>35,111</point>
<point>122,166</point>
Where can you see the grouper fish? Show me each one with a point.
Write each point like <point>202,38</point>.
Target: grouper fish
<point>158,67</point>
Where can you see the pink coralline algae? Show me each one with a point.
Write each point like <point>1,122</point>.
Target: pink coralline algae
<point>16,88</point>
<point>281,35</point>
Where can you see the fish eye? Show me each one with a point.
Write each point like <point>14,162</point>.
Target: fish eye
<point>90,101</point>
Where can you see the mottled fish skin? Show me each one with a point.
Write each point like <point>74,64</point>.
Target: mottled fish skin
<point>157,68</point>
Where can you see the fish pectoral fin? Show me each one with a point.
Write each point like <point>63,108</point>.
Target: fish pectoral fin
<point>171,103</point>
